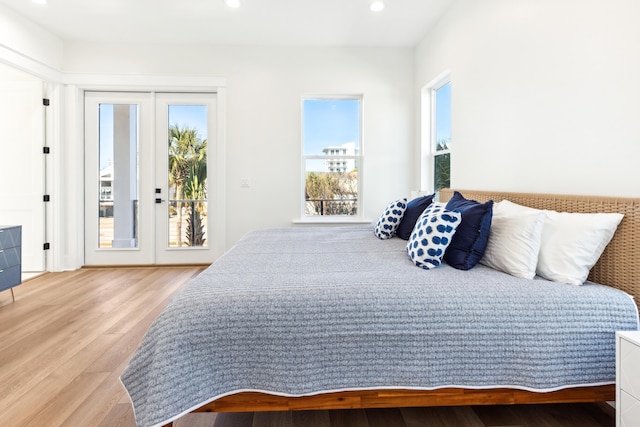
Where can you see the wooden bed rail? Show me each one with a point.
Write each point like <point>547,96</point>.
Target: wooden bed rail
<point>256,402</point>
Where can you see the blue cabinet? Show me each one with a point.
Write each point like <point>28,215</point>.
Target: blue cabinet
<point>10,257</point>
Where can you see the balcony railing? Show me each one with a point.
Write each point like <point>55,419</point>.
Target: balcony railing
<point>187,221</point>
<point>316,207</point>
<point>191,229</point>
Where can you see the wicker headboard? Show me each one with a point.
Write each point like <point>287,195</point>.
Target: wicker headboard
<point>619,265</point>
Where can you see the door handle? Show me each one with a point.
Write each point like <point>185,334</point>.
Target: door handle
<point>159,191</point>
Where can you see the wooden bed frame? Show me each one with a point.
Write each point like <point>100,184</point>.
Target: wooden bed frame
<point>619,267</point>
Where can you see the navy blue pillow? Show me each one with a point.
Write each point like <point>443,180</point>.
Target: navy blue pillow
<point>470,241</point>
<point>414,209</point>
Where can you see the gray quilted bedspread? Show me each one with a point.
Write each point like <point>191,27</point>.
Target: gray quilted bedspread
<point>300,311</point>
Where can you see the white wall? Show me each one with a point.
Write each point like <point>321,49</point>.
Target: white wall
<point>28,47</point>
<point>22,162</point>
<point>264,87</point>
<point>546,97</point>
<point>545,94</point>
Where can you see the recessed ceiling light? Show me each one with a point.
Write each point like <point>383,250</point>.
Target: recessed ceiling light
<point>39,1</point>
<point>376,6</point>
<point>233,3</point>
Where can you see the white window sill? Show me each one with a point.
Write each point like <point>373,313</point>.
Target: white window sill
<point>331,220</point>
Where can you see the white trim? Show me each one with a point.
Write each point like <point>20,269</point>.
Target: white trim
<point>24,63</point>
<point>428,130</point>
<point>145,82</point>
<point>219,193</point>
<point>55,225</point>
<point>74,116</point>
<point>359,159</point>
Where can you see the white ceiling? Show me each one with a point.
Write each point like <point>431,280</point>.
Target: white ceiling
<point>257,22</point>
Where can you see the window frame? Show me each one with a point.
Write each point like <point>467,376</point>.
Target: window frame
<point>429,133</point>
<point>358,158</point>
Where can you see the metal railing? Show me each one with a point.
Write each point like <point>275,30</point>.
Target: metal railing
<point>318,207</point>
<point>192,229</point>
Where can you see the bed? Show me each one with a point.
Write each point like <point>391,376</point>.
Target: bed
<point>360,326</point>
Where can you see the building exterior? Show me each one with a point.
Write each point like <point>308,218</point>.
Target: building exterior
<point>339,163</point>
<point>106,191</point>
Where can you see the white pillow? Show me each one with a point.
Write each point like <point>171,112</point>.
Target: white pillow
<point>571,243</point>
<point>514,240</point>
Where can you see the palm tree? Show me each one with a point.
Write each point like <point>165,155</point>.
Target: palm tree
<point>442,167</point>
<point>185,150</point>
<point>195,188</point>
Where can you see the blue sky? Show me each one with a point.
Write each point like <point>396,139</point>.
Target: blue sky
<point>191,116</point>
<point>330,122</point>
<point>443,113</point>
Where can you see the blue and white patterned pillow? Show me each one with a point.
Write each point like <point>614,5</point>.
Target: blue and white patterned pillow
<point>390,219</point>
<point>431,235</point>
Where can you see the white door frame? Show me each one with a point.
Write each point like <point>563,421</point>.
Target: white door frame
<point>216,193</point>
<point>143,250</point>
<point>183,255</point>
<point>68,219</point>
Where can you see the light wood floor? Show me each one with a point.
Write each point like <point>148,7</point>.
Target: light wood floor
<point>68,336</point>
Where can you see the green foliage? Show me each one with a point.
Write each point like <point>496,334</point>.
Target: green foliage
<point>188,176</point>
<point>442,166</point>
<point>332,193</point>
<point>195,228</point>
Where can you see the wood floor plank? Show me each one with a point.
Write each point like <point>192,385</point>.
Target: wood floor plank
<point>59,408</point>
<point>441,417</point>
<point>30,313</point>
<point>500,415</point>
<point>38,389</point>
<point>603,413</point>
<point>348,418</point>
<point>68,342</point>
<point>98,404</point>
<point>49,373</point>
<point>120,416</point>
<point>311,418</point>
<point>384,417</point>
<point>272,419</point>
<point>241,419</point>
<point>197,420</point>
<point>578,417</point>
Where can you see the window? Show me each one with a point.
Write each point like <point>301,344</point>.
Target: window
<point>332,156</point>
<point>436,99</point>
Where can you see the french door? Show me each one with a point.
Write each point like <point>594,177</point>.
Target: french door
<point>147,157</point>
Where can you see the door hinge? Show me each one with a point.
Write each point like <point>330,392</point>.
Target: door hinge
<point>46,246</point>
<point>46,198</point>
<point>45,102</point>
<point>46,150</point>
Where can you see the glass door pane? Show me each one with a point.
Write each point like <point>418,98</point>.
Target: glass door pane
<point>118,176</point>
<point>187,172</point>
